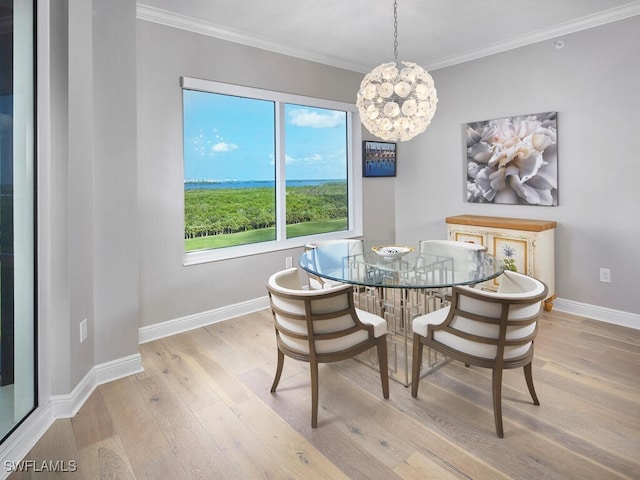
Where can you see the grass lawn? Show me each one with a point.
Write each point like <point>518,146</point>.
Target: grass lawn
<point>263,235</point>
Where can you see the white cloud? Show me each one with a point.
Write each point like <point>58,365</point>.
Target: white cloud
<point>306,118</point>
<point>224,147</point>
<point>289,160</point>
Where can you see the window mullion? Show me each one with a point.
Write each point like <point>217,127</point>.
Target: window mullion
<point>280,171</point>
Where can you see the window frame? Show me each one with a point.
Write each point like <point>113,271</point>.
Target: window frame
<point>354,170</point>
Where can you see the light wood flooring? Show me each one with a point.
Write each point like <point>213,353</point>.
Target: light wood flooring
<point>202,410</point>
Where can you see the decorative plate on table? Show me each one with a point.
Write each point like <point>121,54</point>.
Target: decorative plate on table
<point>392,252</point>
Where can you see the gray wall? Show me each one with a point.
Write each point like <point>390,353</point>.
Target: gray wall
<point>115,181</point>
<point>593,85</point>
<point>70,201</point>
<point>169,290</point>
<point>88,248</point>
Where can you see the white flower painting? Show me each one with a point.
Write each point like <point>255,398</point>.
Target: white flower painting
<point>513,160</point>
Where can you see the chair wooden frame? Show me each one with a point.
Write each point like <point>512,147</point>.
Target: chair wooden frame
<point>498,363</point>
<point>282,295</point>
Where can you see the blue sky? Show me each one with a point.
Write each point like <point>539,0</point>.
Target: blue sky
<point>232,138</point>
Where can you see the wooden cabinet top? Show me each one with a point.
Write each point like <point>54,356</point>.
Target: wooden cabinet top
<point>503,222</point>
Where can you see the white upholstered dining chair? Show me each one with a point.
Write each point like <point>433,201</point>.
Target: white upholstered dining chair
<point>340,248</point>
<point>458,254</point>
<point>321,326</point>
<point>494,330</point>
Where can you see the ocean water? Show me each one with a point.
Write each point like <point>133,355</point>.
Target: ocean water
<point>256,184</point>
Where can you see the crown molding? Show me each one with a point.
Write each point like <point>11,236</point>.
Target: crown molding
<point>584,23</point>
<point>170,19</point>
<point>190,24</point>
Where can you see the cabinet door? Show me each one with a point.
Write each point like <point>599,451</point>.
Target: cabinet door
<point>515,251</point>
<point>468,235</point>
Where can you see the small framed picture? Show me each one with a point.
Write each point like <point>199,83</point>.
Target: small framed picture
<point>378,159</point>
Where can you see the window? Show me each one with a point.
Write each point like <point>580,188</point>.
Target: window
<point>265,170</point>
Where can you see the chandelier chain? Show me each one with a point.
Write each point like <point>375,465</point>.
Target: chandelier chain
<point>395,31</point>
<point>395,102</point>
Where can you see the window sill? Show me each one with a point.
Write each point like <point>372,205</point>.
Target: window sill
<point>230,253</point>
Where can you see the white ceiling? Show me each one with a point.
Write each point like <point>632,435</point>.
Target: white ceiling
<point>358,34</point>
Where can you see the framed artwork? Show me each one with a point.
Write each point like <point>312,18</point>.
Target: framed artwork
<point>378,159</point>
<point>512,252</point>
<point>512,160</point>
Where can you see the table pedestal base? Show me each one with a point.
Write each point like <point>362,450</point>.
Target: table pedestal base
<point>399,306</point>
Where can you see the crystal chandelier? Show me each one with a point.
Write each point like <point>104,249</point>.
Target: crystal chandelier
<point>397,102</point>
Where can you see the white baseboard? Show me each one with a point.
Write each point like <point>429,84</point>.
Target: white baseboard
<point>189,322</point>
<point>66,406</point>
<point>14,448</point>
<point>607,315</point>
<point>183,324</point>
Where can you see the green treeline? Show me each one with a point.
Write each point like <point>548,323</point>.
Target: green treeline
<point>227,210</point>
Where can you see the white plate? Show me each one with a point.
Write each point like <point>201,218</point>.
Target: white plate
<point>391,252</point>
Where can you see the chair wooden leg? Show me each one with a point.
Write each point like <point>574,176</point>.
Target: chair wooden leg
<point>276,380</point>
<point>497,400</point>
<point>415,366</point>
<point>314,393</point>
<point>529,378</point>
<point>383,363</point>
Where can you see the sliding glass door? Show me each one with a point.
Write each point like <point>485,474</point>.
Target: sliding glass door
<point>17,216</point>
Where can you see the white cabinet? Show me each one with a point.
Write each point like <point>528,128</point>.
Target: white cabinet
<point>527,245</point>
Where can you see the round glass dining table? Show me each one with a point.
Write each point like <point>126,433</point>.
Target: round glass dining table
<point>428,264</point>
<point>400,281</point>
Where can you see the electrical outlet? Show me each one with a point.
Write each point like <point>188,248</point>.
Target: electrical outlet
<point>605,275</point>
<point>288,262</point>
<point>83,330</point>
